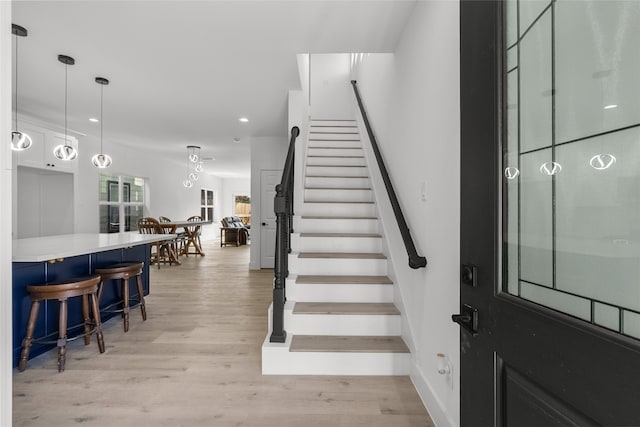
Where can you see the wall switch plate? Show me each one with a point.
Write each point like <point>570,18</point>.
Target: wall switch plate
<point>423,191</point>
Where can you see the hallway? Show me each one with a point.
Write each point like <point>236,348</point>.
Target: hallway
<point>196,362</point>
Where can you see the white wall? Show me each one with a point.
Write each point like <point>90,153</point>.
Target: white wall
<point>266,153</point>
<point>331,93</point>
<point>412,98</point>
<point>6,311</point>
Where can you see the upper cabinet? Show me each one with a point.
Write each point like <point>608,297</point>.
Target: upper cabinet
<point>40,155</point>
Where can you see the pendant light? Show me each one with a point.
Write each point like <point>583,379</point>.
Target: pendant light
<point>193,164</point>
<point>19,140</point>
<point>65,151</point>
<point>101,160</point>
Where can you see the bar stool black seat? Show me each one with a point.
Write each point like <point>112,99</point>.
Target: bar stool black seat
<point>124,271</point>
<point>86,287</point>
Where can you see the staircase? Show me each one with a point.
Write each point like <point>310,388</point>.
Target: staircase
<point>339,315</point>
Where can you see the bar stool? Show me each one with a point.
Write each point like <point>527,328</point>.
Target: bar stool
<point>86,287</point>
<point>124,271</point>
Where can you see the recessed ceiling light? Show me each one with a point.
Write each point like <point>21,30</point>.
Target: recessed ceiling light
<point>93,120</point>
<point>243,119</point>
<point>236,140</point>
<point>610,106</point>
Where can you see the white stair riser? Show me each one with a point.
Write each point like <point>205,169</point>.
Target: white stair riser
<point>333,324</point>
<point>333,143</point>
<point>312,225</point>
<point>367,267</point>
<point>336,161</point>
<point>312,170</point>
<point>336,244</point>
<point>338,209</point>
<point>278,360</point>
<point>337,182</point>
<point>335,152</point>
<point>344,128</point>
<point>338,195</point>
<point>315,122</point>
<point>338,292</point>
<point>334,136</point>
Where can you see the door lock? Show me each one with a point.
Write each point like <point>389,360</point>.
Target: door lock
<point>469,275</point>
<point>467,319</point>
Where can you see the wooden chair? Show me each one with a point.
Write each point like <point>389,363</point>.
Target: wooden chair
<point>124,271</point>
<point>85,287</point>
<point>193,237</point>
<point>181,240</point>
<point>233,232</point>
<point>163,249</point>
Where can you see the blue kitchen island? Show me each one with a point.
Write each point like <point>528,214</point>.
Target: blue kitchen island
<point>41,260</point>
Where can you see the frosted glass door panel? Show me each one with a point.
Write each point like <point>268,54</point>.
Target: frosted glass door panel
<point>535,86</point>
<point>571,161</point>
<point>597,64</point>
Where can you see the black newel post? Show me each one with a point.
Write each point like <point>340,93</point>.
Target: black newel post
<point>278,333</point>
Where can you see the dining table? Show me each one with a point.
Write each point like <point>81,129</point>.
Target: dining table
<point>192,233</point>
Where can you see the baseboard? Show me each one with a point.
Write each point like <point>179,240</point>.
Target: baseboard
<point>434,406</point>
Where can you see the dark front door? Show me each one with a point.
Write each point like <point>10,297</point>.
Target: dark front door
<point>550,213</point>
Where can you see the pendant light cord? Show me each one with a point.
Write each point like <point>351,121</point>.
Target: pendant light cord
<point>101,111</point>
<point>66,66</point>
<point>15,93</point>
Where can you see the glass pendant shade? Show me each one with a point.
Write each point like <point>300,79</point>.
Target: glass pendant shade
<point>20,141</point>
<point>193,176</point>
<point>187,183</point>
<point>199,167</point>
<point>193,165</point>
<point>101,161</point>
<point>193,157</point>
<point>65,152</point>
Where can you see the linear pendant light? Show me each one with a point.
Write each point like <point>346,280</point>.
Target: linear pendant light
<point>19,140</point>
<point>101,160</point>
<point>65,151</point>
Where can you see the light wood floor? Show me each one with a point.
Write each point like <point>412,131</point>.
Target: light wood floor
<point>196,362</point>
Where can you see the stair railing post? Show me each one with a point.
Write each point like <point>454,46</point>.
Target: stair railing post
<point>278,334</point>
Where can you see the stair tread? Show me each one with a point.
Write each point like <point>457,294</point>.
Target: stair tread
<point>335,157</point>
<point>334,133</point>
<point>337,201</point>
<point>336,166</point>
<point>355,308</point>
<point>340,235</point>
<point>334,140</point>
<point>351,280</point>
<point>342,255</point>
<point>337,188</point>
<point>334,176</point>
<point>324,147</point>
<point>336,217</point>
<point>348,344</point>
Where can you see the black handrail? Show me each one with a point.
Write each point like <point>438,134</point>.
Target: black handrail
<point>415,260</point>
<point>283,208</point>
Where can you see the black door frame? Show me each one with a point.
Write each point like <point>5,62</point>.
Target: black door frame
<point>568,360</point>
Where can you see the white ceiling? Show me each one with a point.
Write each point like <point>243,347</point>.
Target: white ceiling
<point>183,72</point>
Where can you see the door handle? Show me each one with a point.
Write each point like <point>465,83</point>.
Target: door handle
<point>467,319</point>
<point>264,224</point>
<point>469,275</point>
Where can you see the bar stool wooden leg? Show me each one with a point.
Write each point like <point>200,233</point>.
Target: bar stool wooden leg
<point>28,339</point>
<point>143,307</point>
<point>87,319</point>
<point>62,340</point>
<point>125,302</point>
<point>96,321</point>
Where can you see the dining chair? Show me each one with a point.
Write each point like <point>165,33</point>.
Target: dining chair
<point>181,238</point>
<point>193,236</point>
<point>163,250</point>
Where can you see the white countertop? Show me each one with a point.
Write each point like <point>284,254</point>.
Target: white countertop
<point>37,249</point>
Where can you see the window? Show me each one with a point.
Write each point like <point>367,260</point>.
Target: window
<point>242,208</point>
<point>206,204</point>
<point>120,197</point>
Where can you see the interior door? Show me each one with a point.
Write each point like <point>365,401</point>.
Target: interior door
<point>268,181</point>
<point>550,197</point>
